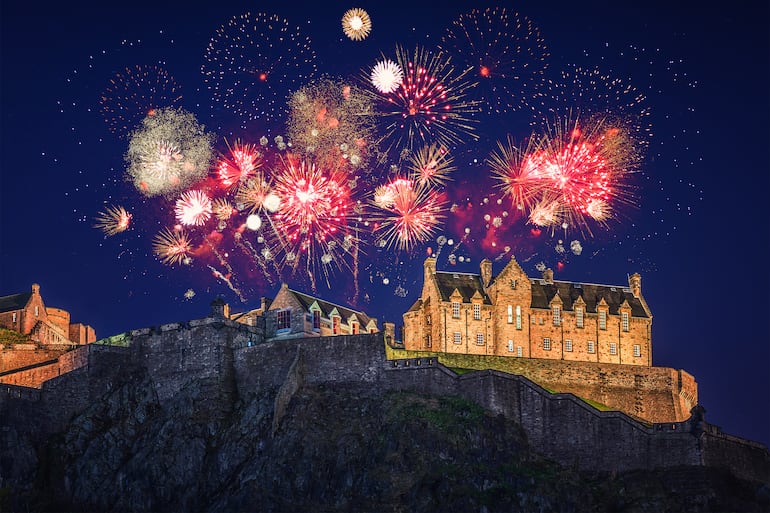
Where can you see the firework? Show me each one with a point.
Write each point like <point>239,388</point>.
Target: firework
<point>133,94</point>
<point>517,178</point>
<point>410,213</point>
<point>313,215</point>
<point>431,165</point>
<point>168,153</point>
<point>356,24</point>
<point>256,194</point>
<point>239,166</point>
<point>387,76</point>
<point>332,121</point>
<point>222,209</point>
<point>113,220</point>
<point>172,246</point>
<point>507,54</point>
<point>252,60</point>
<point>430,105</point>
<point>193,208</point>
<point>546,213</point>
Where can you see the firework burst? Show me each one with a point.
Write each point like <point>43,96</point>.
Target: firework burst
<point>133,94</point>
<point>256,195</point>
<point>240,165</point>
<point>410,213</point>
<point>113,220</point>
<point>517,178</point>
<point>168,153</point>
<point>431,103</point>
<point>507,54</point>
<point>387,76</point>
<point>193,208</point>
<point>431,165</point>
<point>172,246</point>
<point>356,24</point>
<point>252,60</point>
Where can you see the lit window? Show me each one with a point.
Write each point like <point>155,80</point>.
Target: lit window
<point>316,320</point>
<point>336,325</point>
<point>568,345</point>
<point>428,320</point>
<point>624,320</point>
<point>476,311</point>
<point>457,337</point>
<point>428,340</point>
<point>519,351</point>
<point>518,317</point>
<point>556,315</point>
<point>283,320</point>
<point>455,310</point>
<point>602,320</point>
<point>590,347</point>
<point>510,346</point>
<point>510,314</point>
<point>579,317</point>
<point>613,348</point>
<point>37,311</point>
<point>637,350</point>
<point>534,320</point>
<point>14,317</point>
<point>480,339</point>
<point>547,344</point>
<point>354,328</point>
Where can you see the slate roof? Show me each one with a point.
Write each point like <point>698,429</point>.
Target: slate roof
<point>326,307</point>
<point>14,301</point>
<point>543,293</point>
<point>467,285</point>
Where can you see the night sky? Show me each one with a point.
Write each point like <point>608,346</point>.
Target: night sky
<point>692,217</point>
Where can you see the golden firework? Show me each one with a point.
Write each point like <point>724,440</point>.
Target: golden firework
<point>356,24</point>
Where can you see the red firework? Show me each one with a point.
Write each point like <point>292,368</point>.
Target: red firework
<point>242,163</point>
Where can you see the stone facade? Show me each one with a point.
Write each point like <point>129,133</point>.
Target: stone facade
<point>27,314</point>
<point>514,315</point>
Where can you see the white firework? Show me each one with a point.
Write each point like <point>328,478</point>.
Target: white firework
<point>193,208</point>
<point>387,76</point>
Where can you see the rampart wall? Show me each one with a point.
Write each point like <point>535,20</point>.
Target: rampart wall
<point>35,374</point>
<point>23,355</point>
<point>229,361</point>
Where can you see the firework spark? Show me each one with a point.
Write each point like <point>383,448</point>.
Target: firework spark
<point>387,76</point>
<point>193,208</point>
<point>172,246</point>
<point>133,94</point>
<point>168,153</point>
<point>431,165</point>
<point>356,24</point>
<point>240,165</point>
<point>431,104</point>
<point>507,54</point>
<point>113,220</point>
<point>252,60</point>
<point>411,213</point>
<point>256,194</point>
<point>517,178</point>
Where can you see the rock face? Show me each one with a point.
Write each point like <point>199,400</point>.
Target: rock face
<point>199,419</point>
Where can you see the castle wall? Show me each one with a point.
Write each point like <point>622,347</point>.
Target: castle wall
<point>20,356</point>
<point>35,375</point>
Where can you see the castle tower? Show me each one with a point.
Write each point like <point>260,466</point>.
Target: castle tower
<point>429,271</point>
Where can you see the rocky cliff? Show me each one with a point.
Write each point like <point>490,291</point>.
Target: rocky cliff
<point>139,429</point>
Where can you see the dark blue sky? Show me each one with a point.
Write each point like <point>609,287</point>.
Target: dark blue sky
<point>698,236</point>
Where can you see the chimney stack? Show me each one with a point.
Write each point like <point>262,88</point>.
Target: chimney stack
<point>635,284</point>
<point>486,272</point>
<point>548,275</point>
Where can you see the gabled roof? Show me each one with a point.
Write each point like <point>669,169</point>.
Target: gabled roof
<point>14,301</point>
<point>592,294</point>
<point>466,284</point>
<point>326,307</point>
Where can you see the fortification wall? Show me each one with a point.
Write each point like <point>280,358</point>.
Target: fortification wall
<point>26,355</point>
<point>34,375</point>
<point>653,394</point>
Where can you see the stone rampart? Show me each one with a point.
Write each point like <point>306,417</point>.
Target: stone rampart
<point>36,374</point>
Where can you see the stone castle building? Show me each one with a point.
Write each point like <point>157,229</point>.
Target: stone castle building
<point>514,315</point>
<point>27,314</point>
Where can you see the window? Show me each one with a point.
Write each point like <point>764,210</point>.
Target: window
<point>519,351</point>
<point>457,337</point>
<point>556,315</point>
<point>510,314</point>
<point>637,350</point>
<point>316,319</point>
<point>534,320</point>
<point>568,345</point>
<point>510,346</point>
<point>428,320</point>
<point>480,339</point>
<point>283,320</point>
<point>624,320</point>
<point>336,325</point>
<point>455,309</point>
<point>372,330</point>
<point>579,317</point>
<point>354,327</point>
<point>547,344</point>
<point>428,340</point>
<point>602,320</point>
<point>14,317</point>
<point>591,347</point>
<point>37,311</point>
<point>518,317</point>
<point>476,311</point>
<point>613,348</point>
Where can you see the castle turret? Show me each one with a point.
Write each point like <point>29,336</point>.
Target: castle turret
<point>486,272</point>
<point>548,275</point>
<point>635,284</point>
<point>429,270</point>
